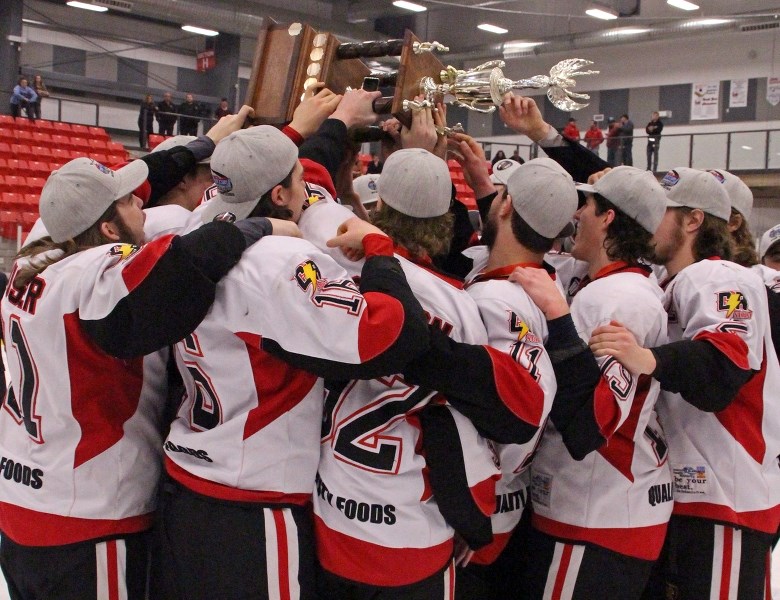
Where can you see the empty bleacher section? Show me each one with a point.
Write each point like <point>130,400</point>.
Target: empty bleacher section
<point>29,152</point>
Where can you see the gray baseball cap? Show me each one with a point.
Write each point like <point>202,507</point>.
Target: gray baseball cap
<point>244,166</point>
<point>503,170</point>
<point>78,193</point>
<point>179,140</point>
<point>416,183</point>
<point>769,239</point>
<point>739,193</point>
<point>692,188</point>
<point>633,191</point>
<point>543,194</point>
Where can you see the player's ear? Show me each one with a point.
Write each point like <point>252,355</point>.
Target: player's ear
<point>277,197</point>
<point>109,231</point>
<point>693,220</point>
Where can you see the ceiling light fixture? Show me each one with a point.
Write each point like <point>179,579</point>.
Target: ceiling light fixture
<point>706,22</point>
<point>491,28</point>
<point>409,6</point>
<point>602,12</point>
<point>516,45</point>
<point>683,4</point>
<point>199,30</point>
<point>626,31</point>
<point>86,6</point>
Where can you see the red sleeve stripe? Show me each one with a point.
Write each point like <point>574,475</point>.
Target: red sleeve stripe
<point>516,388</point>
<point>376,244</point>
<point>730,344</point>
<point>380,325</point>
<point>142,263</point>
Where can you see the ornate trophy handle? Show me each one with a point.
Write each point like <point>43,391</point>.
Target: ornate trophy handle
<point>420,47</point>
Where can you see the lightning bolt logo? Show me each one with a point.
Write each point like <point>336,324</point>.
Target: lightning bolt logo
<point>123,251</point>
<point>307,274</point>
<point>732,302</point>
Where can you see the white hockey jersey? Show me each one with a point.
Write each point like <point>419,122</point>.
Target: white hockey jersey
<point>515,325</point>
<point>375,518</point>
<point>80,439</point>
<point>619,496</point>
<point>725,464</point>
<point>247,428</point>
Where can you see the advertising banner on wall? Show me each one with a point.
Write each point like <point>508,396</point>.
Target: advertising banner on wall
<point>738,97</point>
<point>704,101</point>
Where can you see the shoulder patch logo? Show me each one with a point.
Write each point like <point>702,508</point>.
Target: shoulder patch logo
<point>123,251</point>
<point>734,304</point>
<point>307,275</point>
<point>521,328</point>
<point>314,194</point>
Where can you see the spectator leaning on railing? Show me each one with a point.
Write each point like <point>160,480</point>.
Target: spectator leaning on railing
<point>23,98</point>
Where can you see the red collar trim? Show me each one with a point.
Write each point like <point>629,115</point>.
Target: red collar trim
<point>505,271</point>
<point>620,266</point>
<point>426,263</point>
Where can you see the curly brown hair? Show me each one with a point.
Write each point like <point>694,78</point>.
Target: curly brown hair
<point>421,237</point>
<point>742,245</point>
<point>626,239</point>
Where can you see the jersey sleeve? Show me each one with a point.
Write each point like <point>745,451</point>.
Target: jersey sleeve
<point>325,323</point>
<point>461,470</point>
<point>138,300</point>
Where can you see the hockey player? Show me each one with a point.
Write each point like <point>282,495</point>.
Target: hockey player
<point>720,379</point>
<point>611,450</point>
<point>79,436</point>
<point>242,453</point>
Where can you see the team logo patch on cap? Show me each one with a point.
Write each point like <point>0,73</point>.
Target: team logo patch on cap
<point>226,217</point>
<point>223,183</point>
<point>734,304</point>
<point>372,185</point>
<point>718,175</point>
<point>503,164</point>
<point>103,168</point>
<point>670,179</point>
<point>774,233</point>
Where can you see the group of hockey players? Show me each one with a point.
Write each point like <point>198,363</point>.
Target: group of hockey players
<point>227,380</point>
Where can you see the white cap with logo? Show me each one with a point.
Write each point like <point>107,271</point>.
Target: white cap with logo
<point>365,187</point>
<point>503,170</point>
<point>245,165</point>
<point>739,193</point>
<point>633,191</point>
<point>769,239</point>
<point>543,194</point>
<point>78,193</point>
<point>416,183</point>
<point>692,188</point>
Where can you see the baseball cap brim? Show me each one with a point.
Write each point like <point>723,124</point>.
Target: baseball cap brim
<point>585,188</point>
<point>218,206</point>
<point>129,177</point>
<point>567,231</point>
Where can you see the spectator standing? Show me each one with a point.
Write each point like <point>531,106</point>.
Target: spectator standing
<point>166,115</point>
<point>613,142</point>
<point>40,89</point>
<point>594,137</point>
<point>222,110</point>
<point>23,98</point>
<point>653,130</point>
<point>190,111</point>
<point>375,166</point>
<point>570,131</point>
<point>146,121</point>
<point>627,140</point>
<point>516,157</point>
<point>499,156</point>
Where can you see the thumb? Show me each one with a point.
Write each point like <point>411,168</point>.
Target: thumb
<point>616,323</point>
<point>335,242</point>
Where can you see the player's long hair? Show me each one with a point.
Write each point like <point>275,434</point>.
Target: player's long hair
<point>527,237</point>
<point>626,239</point>
<point>421,237</point>
<point>265,207</point>
<point>743,248</point>
<point>712,238</point>
<point>44,252</point>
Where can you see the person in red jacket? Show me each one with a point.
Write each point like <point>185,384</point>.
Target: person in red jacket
<point>571,131</point>
<point>594,137</point>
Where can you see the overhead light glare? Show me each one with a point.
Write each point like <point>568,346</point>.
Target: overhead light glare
<point>86,6</point>
<point>491,28</point>
<point>626,31</point>
<point>683,4</point>
<point>747,147</point>
<point>601,13</point>
<point>517,45</point>
<point>199,30</point>
<point>707,22</point>
<point>409,6</point>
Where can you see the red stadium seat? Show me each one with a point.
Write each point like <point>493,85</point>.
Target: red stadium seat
<point>22,151</point>
<point>101,158</point>
<point>42,153</point>
<point>116,148</point>
<point>15,183</point>
<point>99,145</point>
<point>155,140</point>
<point>8,135</point>
<point>98,133</point>
<point>31,202</point>
<point>11,201</point>
<point>39,168</point>
<point>7,121</point>
<point>5,150</point>
<point>79,130</point>
<point>44,125</point>
<point>79,143</point>
<point>60,141</point>
<point>8,222</point>
<point>35,185</point>
<point>60,154</point>
<point>16,165</point>
<point>28,219</point>
<point>24,124</point>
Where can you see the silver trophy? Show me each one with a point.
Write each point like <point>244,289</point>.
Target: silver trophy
<point>482,88</point>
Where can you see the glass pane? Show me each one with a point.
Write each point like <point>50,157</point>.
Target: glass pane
<point>709,150</point>
<point>774,149</point>
<point>748,150</point>
<point>673,152</point>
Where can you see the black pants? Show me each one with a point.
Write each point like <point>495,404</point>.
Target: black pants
<point>16,110</point>
<point>439,586</point>
<point>701,556</point>
<point>208,549</point>
<point>628,156</point>
<point>567,571</point>
<point>652,155</point>
<point>83,571</point>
